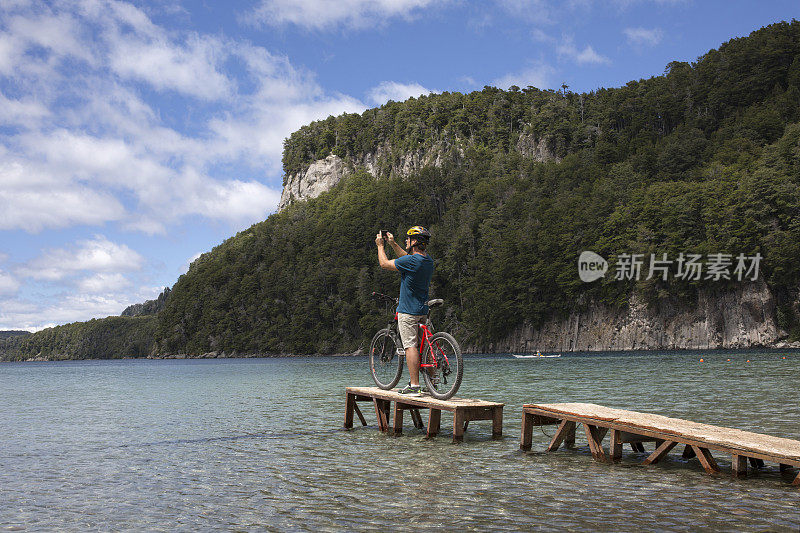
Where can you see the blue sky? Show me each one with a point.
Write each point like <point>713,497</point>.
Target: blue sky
<point>136,135</point>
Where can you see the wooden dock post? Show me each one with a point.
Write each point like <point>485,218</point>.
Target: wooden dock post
<point>738,465</point>
<point>464,411</point>
<point>667,433</point>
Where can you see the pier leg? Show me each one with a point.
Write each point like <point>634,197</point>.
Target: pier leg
<point>497,422</point>
<point>360,415</point>
<point>558,438</point>
<point>458,425</point>
<point>637,446</point>
<point>756,463</point>
<point>688,452</point>
<point>616,445</point>
<point>415,416</point>
<point>592,435</point>
<point>706,459</point>
<point>785,467</point>
<point>397,424</point>
<point>527,432</point>
<point>381,413</point>
<point>662,450</point>
<point>738,465</point>
<point>434,418</point>
<point>349,406</point>
<point>569,438</point>
<point>796,481</point>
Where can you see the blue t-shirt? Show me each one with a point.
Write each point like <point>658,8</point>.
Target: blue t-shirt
<point>416,271</point>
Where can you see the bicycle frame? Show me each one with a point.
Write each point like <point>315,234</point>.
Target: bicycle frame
<point>426,334</point>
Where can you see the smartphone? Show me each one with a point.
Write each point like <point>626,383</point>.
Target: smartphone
<point>384,234</point>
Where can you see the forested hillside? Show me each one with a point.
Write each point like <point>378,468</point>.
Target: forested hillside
<point>703,159</point>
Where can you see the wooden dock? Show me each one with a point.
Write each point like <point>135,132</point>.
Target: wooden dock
<point>631,427</point>
<point>464,411</point>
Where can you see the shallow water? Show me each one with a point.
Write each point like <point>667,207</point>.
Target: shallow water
<point>254,444</point>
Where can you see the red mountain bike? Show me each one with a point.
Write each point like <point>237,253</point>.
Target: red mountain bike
<point>441,364</point>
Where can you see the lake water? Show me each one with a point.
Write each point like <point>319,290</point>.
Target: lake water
<point>256,444</point>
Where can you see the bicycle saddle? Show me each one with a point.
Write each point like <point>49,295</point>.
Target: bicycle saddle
<point>435,302</point>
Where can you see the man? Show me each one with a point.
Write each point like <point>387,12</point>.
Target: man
<point>416,269</point>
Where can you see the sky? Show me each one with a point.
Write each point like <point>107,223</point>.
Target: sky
<point>135,136</point>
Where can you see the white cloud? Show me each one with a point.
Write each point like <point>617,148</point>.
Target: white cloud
<point>24,112</point>
<point>325,14</point>
<point>96,255</point>
<point>586,56</point>
<point>536,11</point>
<point>392,90</point>
<point>538,75</point>
<point>189,68</point>
<point>32,199</point>
<point>8,284</point>
<point>643,37</point>
<point>103,283</point>
<point>108,156</point>
<point>20,314</point>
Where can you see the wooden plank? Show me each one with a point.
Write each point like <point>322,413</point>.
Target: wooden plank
<point>561,432</point>
<point>592,435</point>
<point>360,415</point>
<point>796,481</point>
<point>706,459</point>
<point>526,437</point>
<point>458,425</point>
<point>421,401</point>
<point>663,449</point>
<point>434,418</point>
<point>738,465</point>
<point>616,445</point>
<point>349,404</point>
<point>497,422</point>
<point>397,424</point>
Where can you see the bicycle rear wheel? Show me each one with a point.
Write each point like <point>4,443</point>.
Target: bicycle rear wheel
<point>384,361</point>
<point>444,377</point>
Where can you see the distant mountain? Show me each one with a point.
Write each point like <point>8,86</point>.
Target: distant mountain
<point>10,334</point>
<point>514,184</point>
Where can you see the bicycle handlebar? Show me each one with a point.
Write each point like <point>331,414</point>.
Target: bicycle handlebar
<point>381,296</point>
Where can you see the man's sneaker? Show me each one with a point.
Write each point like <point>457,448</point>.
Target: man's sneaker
<point>409,389</point>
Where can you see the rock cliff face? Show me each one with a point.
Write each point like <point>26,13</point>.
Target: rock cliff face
<point>323,174</point>
<point>738,319</point>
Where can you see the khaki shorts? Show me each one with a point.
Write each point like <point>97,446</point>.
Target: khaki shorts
<point>408,325</point>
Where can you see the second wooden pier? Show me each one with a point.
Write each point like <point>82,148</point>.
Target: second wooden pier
<point>635,428</point>
<point>464,411</point>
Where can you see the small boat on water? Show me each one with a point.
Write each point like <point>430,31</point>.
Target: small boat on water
<point>536,355</point>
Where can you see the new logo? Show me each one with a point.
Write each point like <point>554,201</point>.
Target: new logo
<point>591,266</point>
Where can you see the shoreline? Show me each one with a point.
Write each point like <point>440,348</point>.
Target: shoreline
<point>781,347</point>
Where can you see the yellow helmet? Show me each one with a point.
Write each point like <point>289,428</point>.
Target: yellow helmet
<point>419,233</point>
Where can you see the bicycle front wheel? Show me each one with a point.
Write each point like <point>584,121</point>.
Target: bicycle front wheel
<point>384,360</point>
<point>444,375</point>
